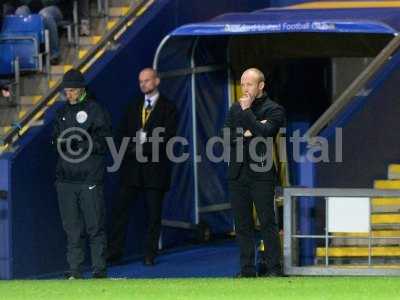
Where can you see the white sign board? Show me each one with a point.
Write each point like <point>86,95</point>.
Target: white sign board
<point>348,214</point>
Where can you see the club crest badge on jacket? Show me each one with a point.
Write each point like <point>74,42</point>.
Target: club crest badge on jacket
<point>81,117</point>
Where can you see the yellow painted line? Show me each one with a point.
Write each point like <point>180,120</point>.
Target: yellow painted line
<point>387,184</point>
<point>52,83</point>
<point>394,168</point>
<point>67,68</point>
<point>144,8</point>
<point>375,233</point>
<point>141,11</point>
<point>95,57</point>
<point>52,101</point>
<point>24,129</point>
<point>111,24</point>
<point>345,4</point>
<point>119,33</point>
<point>385,219</point>
<point>7,129</point>
<point>31,99</point>
<point>125,10</point>
<point>85,68</point>
<point>36,99</point>
<point>130,22</point>
<point>39,114</point>
<point>21,114</point>
<point>95,39</point>
<point>99,54</point>
<point>119,11</point>
<point>61,69</point>
<point>385,201</point>
<point>82,53</point>
<point>358,251</point>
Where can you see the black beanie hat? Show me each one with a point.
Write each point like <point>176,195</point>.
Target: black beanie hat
<point>73,79</point>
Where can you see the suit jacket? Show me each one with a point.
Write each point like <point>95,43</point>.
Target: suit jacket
<point>263,119</point>
<point>150,174</point>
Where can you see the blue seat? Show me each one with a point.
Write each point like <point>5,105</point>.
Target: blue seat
<point>24,50</point>
<point>6,59</point>
<point>30,25</point>
<point>21,37</point>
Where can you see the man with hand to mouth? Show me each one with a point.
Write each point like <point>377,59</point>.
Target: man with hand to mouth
<point>251,180</point>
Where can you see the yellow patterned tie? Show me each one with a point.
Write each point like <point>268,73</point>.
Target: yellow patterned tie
<point>147,111</point>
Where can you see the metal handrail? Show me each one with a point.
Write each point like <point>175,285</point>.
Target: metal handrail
<point>345,98</point>
<point>107,40</point>
<point>290,230</point>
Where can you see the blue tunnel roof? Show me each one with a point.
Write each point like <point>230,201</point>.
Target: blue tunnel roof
<point>381,20</point>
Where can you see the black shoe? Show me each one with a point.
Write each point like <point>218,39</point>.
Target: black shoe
<point>149,261</point>
<point>246,275</point>
<point>262,269</point>
<point>72,275</point>
<point>277,272</point>
<point>100,275</point>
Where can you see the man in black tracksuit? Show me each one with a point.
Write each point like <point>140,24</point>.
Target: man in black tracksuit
<point>150,112</point>
<point>79,132</point>
<point>253,122</point>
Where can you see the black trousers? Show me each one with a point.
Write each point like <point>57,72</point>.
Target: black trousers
<point>120,219</point>
<point>243,193</point>
<point>83,213</point>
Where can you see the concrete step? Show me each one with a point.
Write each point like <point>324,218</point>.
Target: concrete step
<point>386,209</point>
<point>364,242</point>
<point>111,24</point>
<point>392,237</point>
<point>4,130</point>
<point>23,110</point>
<point>30,100</point>
<point>89,40</point>
<point>60,69</point>
<point>55,79</point>
<point>12,115</point>
<point>122,2</point>
<point>394,226</point>
<point>119,11</point>
<point>374,233</point>
<point>99,26</point>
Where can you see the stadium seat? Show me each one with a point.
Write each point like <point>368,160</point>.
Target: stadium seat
<point>23,49</point>
<point>21,37</point>
<point>6,59</point>
<point>31,25</point>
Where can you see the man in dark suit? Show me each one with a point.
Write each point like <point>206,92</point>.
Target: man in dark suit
<point>253,122</point>
<point>143,119</point>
